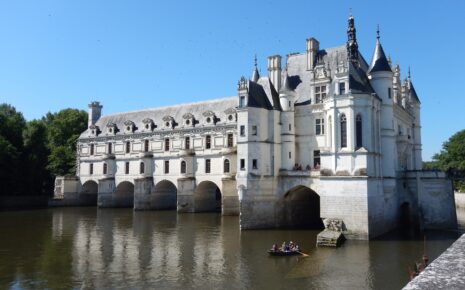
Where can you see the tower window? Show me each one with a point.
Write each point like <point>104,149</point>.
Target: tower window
<point>208,142</point>
<point>319,126</point>
<point>242,165</point>
<point>254,164</point>
<point>187,143</point>
<point>126,168</point>
<point>342,88</point>
<point>230,140</point>
<point>290,155</point>
<point>110,148</point>
<point>254,130</point>
<point>167,144</point>
<point>358,131</point>
<point>389,93</point>
<point>320,94</point>
<point>290,127</point>
<point>91,168</point>
<point>142,168</point>
<point>226,166</point>
<point>316,159</point>
<point>91,149</point>
<point>207,166</point>
<point>105,168</point>
<point>183,167</point>
<point>242,131</point>
<point>343,131</point>
<point>241,102</point>
<point>167,166</point>
<point>128,147</point>
<point>146,145</point>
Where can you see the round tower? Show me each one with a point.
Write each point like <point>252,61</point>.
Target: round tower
<point>287,99</point>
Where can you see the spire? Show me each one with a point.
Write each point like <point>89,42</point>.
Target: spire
<point>352,46</point>
<point>379,61</point>
<point>255,74</point>
<point>412,93</point>
<point>286,86</point>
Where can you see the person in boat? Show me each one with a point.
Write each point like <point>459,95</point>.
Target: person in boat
<point>283,246</point>
<point>274,248</point>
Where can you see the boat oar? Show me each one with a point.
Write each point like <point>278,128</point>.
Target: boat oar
<point>303,254</point>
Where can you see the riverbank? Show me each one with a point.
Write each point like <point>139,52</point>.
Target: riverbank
<point>446,272</point>
<point>23,202</point>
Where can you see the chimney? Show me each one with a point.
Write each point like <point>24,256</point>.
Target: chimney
<point>274,71</point>
<point>95,111</point>
<point>312,49</point>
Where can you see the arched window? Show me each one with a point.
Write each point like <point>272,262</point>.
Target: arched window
<point>105,168</point>
<point>358,131</point>
<point>183,167</point>
<point>142,168</point>
<point>226,166</point>
<point>343,131</point>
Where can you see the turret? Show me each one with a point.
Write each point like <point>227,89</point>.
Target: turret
<point>95,111</point>
<point>287,99</point>
<point>274,71</point>
<point>312,50</point>
<point>415,102</point>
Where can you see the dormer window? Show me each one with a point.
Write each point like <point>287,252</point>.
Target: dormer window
<point>320,94</point>
<point>189,120</point>
<point>169,122</point>
<point>148,124</point>
<point>94,130</point>
<point>210,118</point>
<point>111,128</point>
<point>129,127</point>
<point>231,114</point>
<point>242,102</point>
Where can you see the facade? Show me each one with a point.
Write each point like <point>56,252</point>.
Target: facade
<point>327,136</point>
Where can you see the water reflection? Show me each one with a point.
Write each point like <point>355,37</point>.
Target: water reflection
<point>86,248</point>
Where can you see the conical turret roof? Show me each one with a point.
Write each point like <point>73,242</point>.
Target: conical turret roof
<point>255,75</point>
<point>286,85</point>
<point>379,61</point>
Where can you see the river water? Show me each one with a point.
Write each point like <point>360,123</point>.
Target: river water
<point>89,248</point>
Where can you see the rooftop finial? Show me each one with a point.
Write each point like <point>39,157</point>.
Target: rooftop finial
<point>409,72</point>
<point>350,12</point>
<point>255,60</point>
<point>352,46</point>
<point>255,73</point>
<point>377,32</point>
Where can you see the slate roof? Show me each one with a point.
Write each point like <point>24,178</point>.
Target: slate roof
<point>412,93</point>
<point>258,97</point>
<point>218,106</point>
<point>379,61</point>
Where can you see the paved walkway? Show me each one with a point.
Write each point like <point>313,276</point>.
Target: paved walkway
<point>446,272</point>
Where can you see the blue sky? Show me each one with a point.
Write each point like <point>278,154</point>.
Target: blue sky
<point>136,54</point>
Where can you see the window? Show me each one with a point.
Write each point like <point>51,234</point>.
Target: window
<point>146,145</point>
<point>187,143</point>
<point>389,93</point>
<point>230,117</point>
<point>241,102</point>
<point>183,167</point>
<point>254,164</point>
<point>208,142</point>
<point>242,131</point>
<point>91,168</point>
<point>126,167</point>
<point>320,94</point>
<point>358,131</point>
<point>254,130</point>
<point>207,165</point>
<point>167,166</point>
<point>226,166</point>
<point>188,122</point>
<point>142,168</point>
<point>230,140</point>
<point>110,148</point>
<point>342,88</point>
<point>399,129</point>
<point>105,168</point>
<point>290,127</point>
<point>290,105</point>
<point>167,144</point>
<point>316,159</point>
<point>319,126</point>
<point>128,147</point>
<point>290,155</point>
<point>91,149</point>
<point>242,164</point>
<point>343,131</point>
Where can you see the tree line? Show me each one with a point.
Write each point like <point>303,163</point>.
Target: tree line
<point>451,159</point>
<point>33,152</point>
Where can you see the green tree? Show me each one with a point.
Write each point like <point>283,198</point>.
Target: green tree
<point>11,147</point>
<point>63,129</point>
<point>452,157</point>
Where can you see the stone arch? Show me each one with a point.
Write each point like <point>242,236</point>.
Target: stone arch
<point>165,195</point>
<point>89,193</point>
<point>301,208</point>
<point>124,194</point>
<point>207,197</point>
